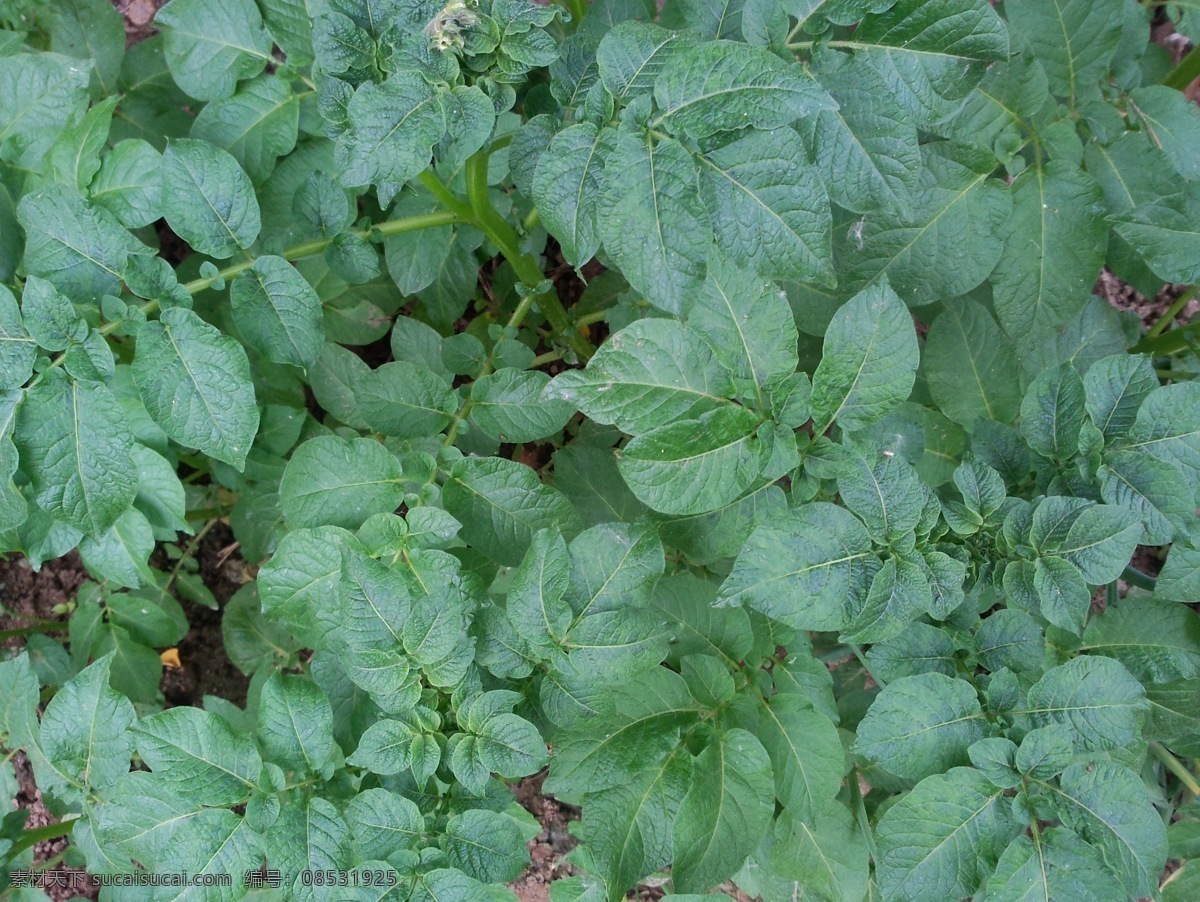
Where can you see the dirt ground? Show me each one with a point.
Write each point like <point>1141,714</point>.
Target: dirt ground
<point>27,597</point>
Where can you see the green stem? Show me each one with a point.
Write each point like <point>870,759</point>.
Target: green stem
<point>860,813</point>
<point>1138,578</point>
<point>1186,777</point>
<point>48,627</point>
<point>524,265</point>
<point>1165,321</point>
<point>542,359</point>
<point>514,322</point>
<point>862,659</point>
<point>1186,72</point>
<point>1168,342</point>
<point>318,245</point>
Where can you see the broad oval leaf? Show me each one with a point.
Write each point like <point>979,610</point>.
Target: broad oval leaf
<point>195,383</point>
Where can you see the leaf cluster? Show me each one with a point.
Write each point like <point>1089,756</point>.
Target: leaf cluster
<point>814,576</point>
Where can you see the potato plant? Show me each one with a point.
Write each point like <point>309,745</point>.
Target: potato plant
<point>705,402</point>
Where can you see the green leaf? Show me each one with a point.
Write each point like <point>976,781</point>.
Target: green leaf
<point>393,127</point>
<point>888,497</point>
<point>81,249</point>
<point>295,725</point>
<point>74,158</point>
<point>339,482</point>
<point>868,364</point>
<point>151,616</point>
<point>1108,805</point>
<point>536,604</point>
<point>195,383</point>
<point>631,55</point>
<point>1179,579</point>
<point>84,730</point>
<point>712,86</point>
<point>1168,426</point>
<point>947,241</point>
<point>628,826</point>
<point>278,312</point>
<point>651,372</point>
<point>1073,39</point>
<point>768,208</point>
<point>502,504</point>
<point>291,27</point>
<point>1053,413</point>
<point>256,125</point>
<point>13,508</point>
<point>198,755</point>
<point>1165,232</point>
<point>1171,123</point>
<point>971,366</point>
<point>652,221</point>
<point>17,349</point>
<point>405,400</point>
<point>867,149</point>
<point>510,406</point>
<point>386,748</point>
<point>211,47</point>
<point>805,751</point>
<point>129,183</point>
<point>76,449</point>
<point>1095,697</point>
<point>566,188</point>
<point>806,569</point>
<point>50,318</point>
<point>747,323</point>
<point>613,566</point>
<point>211,202</point>
<point>39,94</point>
<point>920,648</point>
<point>921,725</point>
<point>900,592</point>
<point>299,584</point>
<point>1062,593</point>
<point>827,853</point>
<point>1054,246</point>
<point>120,553</point>
<point>1116,387</point>
<point>1099,541</point>
<point>485,845</point>
<point>1052,864</point>
<point>942,840</point>
<point>383,823</point>
<point>251,642</point>
<point>693,466</point>
<point>1158,642</point>
<point>931,53</point>
<point>1151,490</point>
<point>644,728</point>
<point>308,839</point>
<point>725,813</point>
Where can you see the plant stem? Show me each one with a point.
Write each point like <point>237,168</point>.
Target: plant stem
<point>527,269</point>
<point>862,659</point>
<point>310,248</point>
<point>860,812</point>
<point>1138,578</point>
<point>1186,72</point>
<point>1186,777</point>
<point>1165,321</point>
<point>514,322</point>
<point>1168,342</point>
